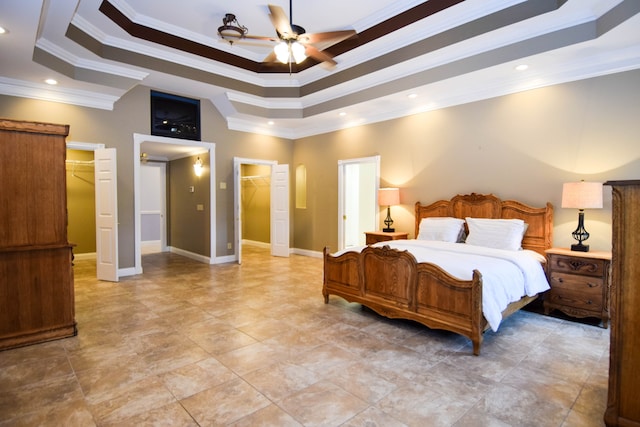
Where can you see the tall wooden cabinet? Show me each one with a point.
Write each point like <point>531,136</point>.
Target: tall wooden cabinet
<point>623,403</point>
<point>36,276</point>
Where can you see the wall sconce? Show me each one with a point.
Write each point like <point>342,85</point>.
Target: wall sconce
<point>388,197</point>
<point>581,195</point>
<point>197,167</point>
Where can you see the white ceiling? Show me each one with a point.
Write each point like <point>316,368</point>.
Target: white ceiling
<point>574,40</point>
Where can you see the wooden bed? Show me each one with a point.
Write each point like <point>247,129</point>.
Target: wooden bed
<point>394,285</point>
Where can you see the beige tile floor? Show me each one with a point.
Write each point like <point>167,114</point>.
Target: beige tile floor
<point>255,345</point>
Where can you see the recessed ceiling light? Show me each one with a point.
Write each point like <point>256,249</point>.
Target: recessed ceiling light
<point>51,81</point>
<point>3,30</point>
<point>412,95</point>
<point>342,114</point>
<point>522,67</point>
<point>271,122</point>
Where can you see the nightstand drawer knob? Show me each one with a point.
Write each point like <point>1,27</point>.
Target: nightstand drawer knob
<point>560,279</point>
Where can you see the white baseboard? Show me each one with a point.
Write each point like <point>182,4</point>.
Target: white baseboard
<point>256,243</point>
<point>85,256</point>
<point>225,259</point>
<point>307,252</point>
<point>191,255</point>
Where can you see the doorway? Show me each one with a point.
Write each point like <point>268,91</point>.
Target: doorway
<point>87,177</point>
<point>249,176</point>
<point>358,183</point>
<point>158,147</point>
<point>153,205</point>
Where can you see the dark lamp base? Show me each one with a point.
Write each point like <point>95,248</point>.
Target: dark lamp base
<point>580,247</point>
<point>388,230</point>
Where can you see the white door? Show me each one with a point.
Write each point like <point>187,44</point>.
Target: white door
<point>358,183</point>
<point>280,210</point>
<point>106,214</point>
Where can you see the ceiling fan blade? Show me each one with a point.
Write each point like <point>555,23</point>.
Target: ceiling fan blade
<point>318,55</point>
<point>280,21</point>
<point>330,36</point>
<point>271,57</point>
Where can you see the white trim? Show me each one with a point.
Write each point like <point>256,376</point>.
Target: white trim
<point>88,256</point>
<point>129,271</point>
<point>84,146</point>
<point>197,257</point>
<point>256,243</point>
<point>306,252</point>
<point>225,259</point>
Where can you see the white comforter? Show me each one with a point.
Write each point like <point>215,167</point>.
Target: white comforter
<point>506,275</point>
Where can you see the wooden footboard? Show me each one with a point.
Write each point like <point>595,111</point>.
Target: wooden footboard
<point>394,285</point>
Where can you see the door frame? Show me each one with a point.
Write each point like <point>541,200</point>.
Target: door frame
<point>341,192</point>
<point>163,204</point>
<point>237,199</point>
<point>138,139</point>
<point>90,146</point>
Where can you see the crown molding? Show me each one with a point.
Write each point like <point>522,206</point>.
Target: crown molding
<point>44,92</point>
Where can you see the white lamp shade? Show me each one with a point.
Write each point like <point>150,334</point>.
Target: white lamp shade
<point>388,196</point>
<point>298,51</point>
<point>282,52</point>
<point>582,195</point>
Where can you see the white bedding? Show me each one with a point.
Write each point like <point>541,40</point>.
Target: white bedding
<point>506,275</point>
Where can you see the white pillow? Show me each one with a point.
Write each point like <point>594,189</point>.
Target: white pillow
<point>496,233</point>
<point>444,229</point>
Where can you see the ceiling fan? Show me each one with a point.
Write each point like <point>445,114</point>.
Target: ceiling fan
<point>294,43</point>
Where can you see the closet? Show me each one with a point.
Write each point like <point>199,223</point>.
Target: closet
<point>623,402</point>
<point>36,276</point>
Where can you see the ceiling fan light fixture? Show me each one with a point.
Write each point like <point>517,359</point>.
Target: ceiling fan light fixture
<point>231,28</point>
<point>287,51</point>
<point>282,52</point>
<point>298,52</point>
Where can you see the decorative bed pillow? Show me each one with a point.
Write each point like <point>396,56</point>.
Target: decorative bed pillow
<point>444,229</point>
<point>496,233</point>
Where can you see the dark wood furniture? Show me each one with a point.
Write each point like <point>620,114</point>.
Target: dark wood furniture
<point>383,236</point>
<point>623,403</point>
<point>580,284</point>
<point>393,284</point>
<point>36,276</point>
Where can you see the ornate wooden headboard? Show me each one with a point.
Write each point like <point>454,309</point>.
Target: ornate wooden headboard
<point>539,235</point>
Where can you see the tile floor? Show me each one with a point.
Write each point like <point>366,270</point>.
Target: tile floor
<point>255,345</point>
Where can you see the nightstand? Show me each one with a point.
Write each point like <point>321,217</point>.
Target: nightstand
<point>381,236</point>
<point>579,283</point>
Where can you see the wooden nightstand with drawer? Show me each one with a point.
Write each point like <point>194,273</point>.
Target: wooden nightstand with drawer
<point>382,236</point>
<point>579,283</point>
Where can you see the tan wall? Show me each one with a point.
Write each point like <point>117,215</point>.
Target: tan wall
<point>81,206</point>
<point>189,228</point>
<point>521,146</point>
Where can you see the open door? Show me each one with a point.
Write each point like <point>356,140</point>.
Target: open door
<point>106,214</point>
<point>280,210</point>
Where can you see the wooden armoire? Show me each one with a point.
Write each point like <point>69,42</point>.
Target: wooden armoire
<point>623,402</point>
<point>36,275</point>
